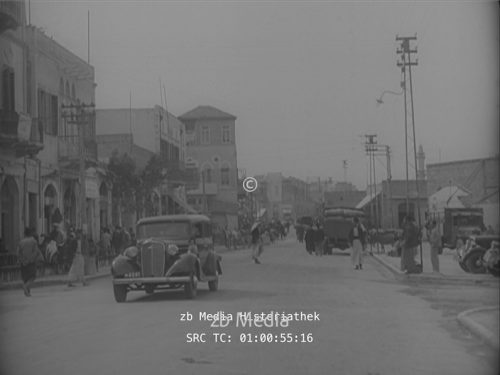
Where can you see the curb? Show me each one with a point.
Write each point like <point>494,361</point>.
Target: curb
<point>477,329</point>
<point>487,281</point>
<point>41,282</point>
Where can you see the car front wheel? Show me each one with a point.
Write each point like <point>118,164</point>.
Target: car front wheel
<point>474,261</point>
<point>120,292</point>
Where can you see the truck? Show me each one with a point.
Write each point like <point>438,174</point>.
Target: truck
<point>458,224</point>
<point>337,223</point>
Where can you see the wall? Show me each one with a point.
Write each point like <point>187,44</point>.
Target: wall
<point>480,176</point>
<point>216,155</point>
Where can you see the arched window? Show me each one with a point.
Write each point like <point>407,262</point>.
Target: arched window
<point>73,91</point>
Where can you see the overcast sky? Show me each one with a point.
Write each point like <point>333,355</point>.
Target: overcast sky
<point>302,77</point>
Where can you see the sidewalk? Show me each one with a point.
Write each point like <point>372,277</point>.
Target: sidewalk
<point>54,279</point>
<point>448,266</point>
<point>104,271</point>
<point>484,323</point>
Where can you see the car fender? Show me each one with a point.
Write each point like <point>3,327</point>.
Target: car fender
<point>122,265</point>
<point>185,265</point>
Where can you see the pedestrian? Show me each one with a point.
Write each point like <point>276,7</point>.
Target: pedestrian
<point>257,245</point>
<point>319,240</point>
<point>133,239</point>
<point>117,240</point>
<point>309,240</point>
<point>106,244</point>
<point>77,270</point>
<point>357,238</point>
<point>411,239</point>
<point>28,254</point>
<point>436,245</point>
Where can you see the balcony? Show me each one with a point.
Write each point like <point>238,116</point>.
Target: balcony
<point>10,15</point>
<point>69,150</point>
<point>20,133</point>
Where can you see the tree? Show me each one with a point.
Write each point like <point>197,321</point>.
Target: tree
<point>125,182</point>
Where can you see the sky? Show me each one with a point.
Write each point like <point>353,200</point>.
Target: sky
<point>302,77</point>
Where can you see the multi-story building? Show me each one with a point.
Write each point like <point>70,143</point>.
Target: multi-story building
<point>211,148</point>
<point>21,137</point>
<point>64,84</point>
<point>141,133</point>
<point>40,153</point>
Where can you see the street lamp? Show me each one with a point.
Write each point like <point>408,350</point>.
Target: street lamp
<point>379,99</point>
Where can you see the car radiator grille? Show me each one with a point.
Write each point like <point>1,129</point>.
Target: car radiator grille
<point>153,260</point>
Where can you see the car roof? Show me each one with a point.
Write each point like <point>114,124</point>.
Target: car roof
<point>171,218</point>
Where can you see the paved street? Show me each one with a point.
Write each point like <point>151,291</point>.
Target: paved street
<point>369,324</point>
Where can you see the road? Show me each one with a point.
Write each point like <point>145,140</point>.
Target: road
<point>368,324</point>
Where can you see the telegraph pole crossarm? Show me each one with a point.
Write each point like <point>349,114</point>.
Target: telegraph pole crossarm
<point>79,115</point>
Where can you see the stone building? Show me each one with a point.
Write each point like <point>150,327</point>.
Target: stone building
<point>142,133</point>
<point>39,153</point>
<point>211,149</point>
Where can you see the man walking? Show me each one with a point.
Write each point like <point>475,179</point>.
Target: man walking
<point>357,236</point>
<point>28,254</point>
<point>257,245</point>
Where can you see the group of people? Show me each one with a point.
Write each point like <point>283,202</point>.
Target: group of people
<point>315,239</point>
<point>30,253</point>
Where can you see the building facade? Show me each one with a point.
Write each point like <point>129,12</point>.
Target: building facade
<point>142,133</point>
<point>479,176</point>
<point>40,153</point>
<point>211,149</point>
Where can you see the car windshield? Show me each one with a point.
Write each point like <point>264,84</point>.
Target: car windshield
<point>166,229</point>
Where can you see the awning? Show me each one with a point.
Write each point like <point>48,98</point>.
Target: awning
<point>367,199</point>
<point>183,204</point>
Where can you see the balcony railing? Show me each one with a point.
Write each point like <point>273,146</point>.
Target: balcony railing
<point>69,149</point>
<point>10,15</point>
<point>20,133</point>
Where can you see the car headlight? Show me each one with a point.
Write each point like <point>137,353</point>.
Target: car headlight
<point>131,252</point>
<point>172,249</point>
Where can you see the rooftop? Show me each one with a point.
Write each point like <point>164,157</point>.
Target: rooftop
<point>206,112</point>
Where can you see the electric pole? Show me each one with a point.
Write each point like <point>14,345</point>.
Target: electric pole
<point>80,115</point>
<point>405,51</point>
<point>344,165</point>
<point>370,148</point>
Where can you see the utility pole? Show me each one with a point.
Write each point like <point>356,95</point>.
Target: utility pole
<point>370,148</point>
<point>344,165</point>
<point>80,115</point>
<point>406,63</point>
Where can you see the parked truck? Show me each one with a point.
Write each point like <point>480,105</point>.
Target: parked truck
<point>457,224</point>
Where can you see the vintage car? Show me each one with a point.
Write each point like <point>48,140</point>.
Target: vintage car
<point>161,259</point>
<point>470,255</point>
<point>337,223</point>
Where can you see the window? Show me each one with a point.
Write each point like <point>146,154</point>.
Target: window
<point>48,112</point>
<point>73,91</point>
<point>208,175</point>
<point>67,89</point>
<point>205,135</point>
<point>8,90</point>
<point>224,176</point>
<point>226,134</point>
